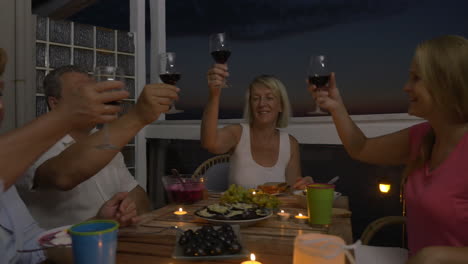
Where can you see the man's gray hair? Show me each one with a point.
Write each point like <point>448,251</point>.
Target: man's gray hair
<point>52,85</point>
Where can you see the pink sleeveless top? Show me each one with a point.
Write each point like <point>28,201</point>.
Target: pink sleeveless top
<point>437,201</point>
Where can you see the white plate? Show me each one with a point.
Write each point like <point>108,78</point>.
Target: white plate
<point>241,223</point>
<point>55,237</point>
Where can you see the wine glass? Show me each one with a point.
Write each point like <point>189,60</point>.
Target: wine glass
<point>103,74</point>
<point>220,49</point>
<point>169,74</point>
<point>318,75</point>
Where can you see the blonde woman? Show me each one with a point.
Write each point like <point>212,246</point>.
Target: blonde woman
<point>436,190</point>
<point>261,152</point>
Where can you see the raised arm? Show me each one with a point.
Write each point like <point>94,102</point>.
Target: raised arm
<point>24,145</point>
<point>82,160</point>
<point>391,149</point>
<point>440,255</point>
<point>216,140</point>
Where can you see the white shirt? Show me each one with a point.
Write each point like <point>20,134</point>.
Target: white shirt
<point>18,230</point>
<point>54,208</point>
<point>246,172</point>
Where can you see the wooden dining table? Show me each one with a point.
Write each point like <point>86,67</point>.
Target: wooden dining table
<point>271,240</point>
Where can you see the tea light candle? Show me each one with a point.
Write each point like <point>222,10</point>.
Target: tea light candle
<point>180,212</point>
<point>252,260</point>
<point>301,218</point>
<point>283,216</point>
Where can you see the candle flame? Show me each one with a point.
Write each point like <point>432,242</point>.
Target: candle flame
<point>253,193</point>
<point>282,211</point>
<point>180,209</point>
<point>252,257</point>
<point>300,214</point>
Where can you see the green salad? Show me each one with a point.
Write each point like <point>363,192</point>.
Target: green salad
<point>239,194</point>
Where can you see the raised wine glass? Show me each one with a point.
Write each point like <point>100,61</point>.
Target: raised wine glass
<point>318,75</point>
<point>220,49</point>
<point>169,74</point>
<point>103,74</point>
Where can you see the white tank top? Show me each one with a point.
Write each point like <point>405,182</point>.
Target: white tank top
<point>244,171</point>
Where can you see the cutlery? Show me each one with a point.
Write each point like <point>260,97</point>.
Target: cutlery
<point>332,181</point>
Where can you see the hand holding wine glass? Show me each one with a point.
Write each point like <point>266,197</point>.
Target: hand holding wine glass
<point>330,98</point>
<point>103,74</point>
<point>169,74</point>
<point>220,48</point>
<point>318,75</point>
<point>216,77</point>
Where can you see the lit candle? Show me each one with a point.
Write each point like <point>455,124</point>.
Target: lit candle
<point>301,218</point>
<point>252,260</point>
<point>253,192</point>
<point>283,216</point>
<point>180,212</point>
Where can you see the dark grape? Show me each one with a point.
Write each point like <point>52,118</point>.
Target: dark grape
<point>200,252</point>
<point>210,241</point>
<point>183,240</point>
<point>189,251</point>
<point>234,248</point>
<point>189,233</point>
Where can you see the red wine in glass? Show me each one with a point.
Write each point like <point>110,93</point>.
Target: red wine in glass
<point>220,48</point>
<point>320,81</point>
<point>169,74</point>
<point>318,75</point>
<point>170,78</point>
<point>221,56</point>
<point>102,74</point>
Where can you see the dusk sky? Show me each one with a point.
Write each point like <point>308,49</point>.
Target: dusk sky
<point>370,45</point>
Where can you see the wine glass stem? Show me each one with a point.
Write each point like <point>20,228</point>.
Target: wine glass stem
<point>317,108</point>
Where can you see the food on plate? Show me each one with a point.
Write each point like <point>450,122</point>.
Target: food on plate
<point>218,208</point>
<point>233,213</point>
<point>210,241</point>
<point>205,213</point>
<point>273,187</point>
<point>55,237</point>
<point>241,211</point>
<point>238,194</point>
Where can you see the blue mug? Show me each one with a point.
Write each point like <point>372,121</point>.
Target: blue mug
<point>94,241</point>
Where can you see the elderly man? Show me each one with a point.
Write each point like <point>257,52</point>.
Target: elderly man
<point>20,147</point>
<point>74,178</point>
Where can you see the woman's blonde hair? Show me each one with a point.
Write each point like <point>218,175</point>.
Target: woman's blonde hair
<point>279,90</point>
<point>3,60</point>
<point>442,64</point>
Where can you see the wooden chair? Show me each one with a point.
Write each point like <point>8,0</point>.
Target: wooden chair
<point>380,223</point>
<point>215,170</point>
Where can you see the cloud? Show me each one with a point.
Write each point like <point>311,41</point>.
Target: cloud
<point>268,19</point>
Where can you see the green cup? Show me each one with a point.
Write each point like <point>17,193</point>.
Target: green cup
<point>320,202</point>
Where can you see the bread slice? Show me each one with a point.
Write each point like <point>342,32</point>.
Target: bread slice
<point>273,187</point>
